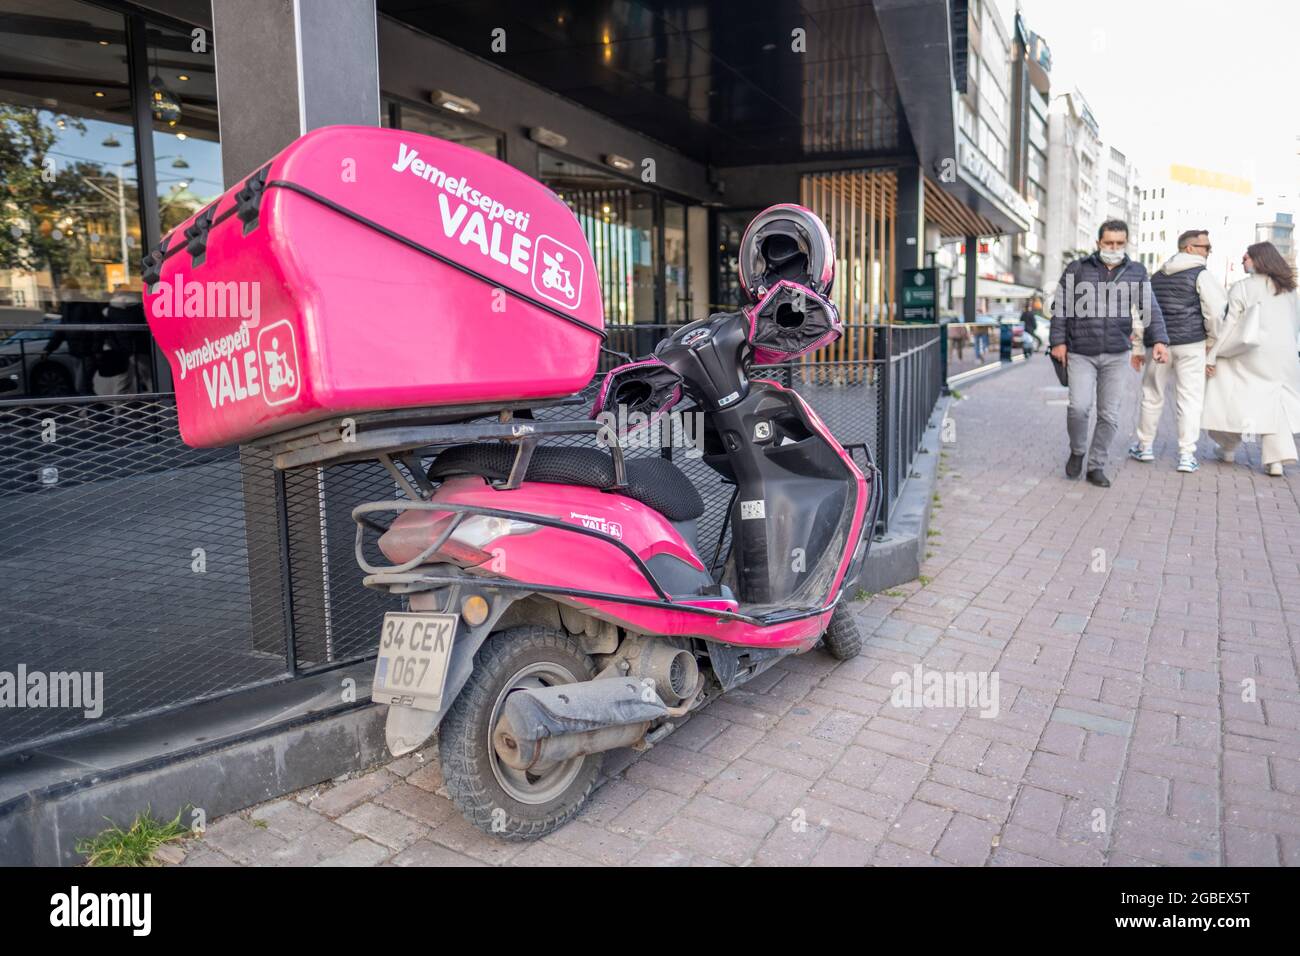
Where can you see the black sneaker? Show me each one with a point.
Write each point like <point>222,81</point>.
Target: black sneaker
<point>1074,467</point>
<point>1098,477</point>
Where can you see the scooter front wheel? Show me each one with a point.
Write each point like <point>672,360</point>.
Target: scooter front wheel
<point>498,799</point>
<point>842,638</point>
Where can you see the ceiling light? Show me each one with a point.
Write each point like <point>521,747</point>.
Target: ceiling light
<point>164,104</point>
<point>547,137</point>
<point>621,163</point>
<point>182,137</point>
<point>450,101</point>
<point>182,77</point>
<point>99,93</point>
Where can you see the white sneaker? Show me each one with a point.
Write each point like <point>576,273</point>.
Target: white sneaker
<point>1140,452</point>
<point>1188,463</point>
<point>1223,454</point>
<point>1275,470</point>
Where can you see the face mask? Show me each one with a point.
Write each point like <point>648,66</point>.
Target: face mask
<point>1112,257</point>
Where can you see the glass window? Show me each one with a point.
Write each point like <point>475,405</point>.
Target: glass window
<point>70,240</point>
<point>67,157</point>
<point>443,124</point>
<point>618,220</point>
<point>187,153</point>
<point>677,278</point>
<point>730,227</point>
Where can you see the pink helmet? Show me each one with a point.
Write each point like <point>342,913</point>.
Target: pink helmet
<point>786,242</point>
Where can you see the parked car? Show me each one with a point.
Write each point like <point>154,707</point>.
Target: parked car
<point>25,370</point>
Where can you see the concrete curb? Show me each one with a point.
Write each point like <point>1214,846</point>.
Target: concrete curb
<point>895,557</point>
<point>266,760</point>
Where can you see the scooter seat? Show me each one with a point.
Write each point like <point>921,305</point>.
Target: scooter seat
<point>655,482</point>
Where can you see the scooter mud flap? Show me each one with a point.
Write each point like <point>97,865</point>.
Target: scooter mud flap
<point>407,728</point>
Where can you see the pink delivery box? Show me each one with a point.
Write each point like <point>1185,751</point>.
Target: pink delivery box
<point>364,269</point>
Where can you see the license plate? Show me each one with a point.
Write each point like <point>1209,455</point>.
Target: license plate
<point>414,649</point>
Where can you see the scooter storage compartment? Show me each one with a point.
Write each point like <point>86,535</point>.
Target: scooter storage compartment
<point>364,269</point>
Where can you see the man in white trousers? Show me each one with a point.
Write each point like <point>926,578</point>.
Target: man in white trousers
<point>1193,303</point>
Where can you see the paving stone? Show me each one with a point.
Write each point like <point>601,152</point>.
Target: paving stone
<point>387,827</point>
<point>420,805</point>
<point>920,825</point>
<point>593,843</point>
<point>656,853</point>
<point>693,836</point>
<point>342,797</point>
<point>428,853</point>
<point>319,843</point>
<point>361,852</point>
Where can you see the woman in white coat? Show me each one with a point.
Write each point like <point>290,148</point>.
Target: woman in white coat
<point>1257,391</point>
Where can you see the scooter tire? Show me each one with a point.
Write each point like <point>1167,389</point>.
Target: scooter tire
<point>470,769</point>
<point>842,639</point>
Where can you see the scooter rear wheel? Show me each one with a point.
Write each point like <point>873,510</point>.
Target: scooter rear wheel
<point>842,638</point>
<point>508,803</point>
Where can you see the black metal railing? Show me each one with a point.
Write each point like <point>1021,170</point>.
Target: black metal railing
<point>913,381</point>
<point>183,574</point>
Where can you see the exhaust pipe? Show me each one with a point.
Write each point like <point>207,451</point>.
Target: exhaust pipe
<point>547,725</point>
<point>674,670</point>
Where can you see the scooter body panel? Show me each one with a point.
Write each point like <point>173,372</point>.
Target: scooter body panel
<point>564,560</point>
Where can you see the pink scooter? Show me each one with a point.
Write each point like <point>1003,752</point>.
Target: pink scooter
<point>561,605</point>
<point>376,294</point>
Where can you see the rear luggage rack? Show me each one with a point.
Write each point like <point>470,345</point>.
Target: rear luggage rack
<point>395,432</point>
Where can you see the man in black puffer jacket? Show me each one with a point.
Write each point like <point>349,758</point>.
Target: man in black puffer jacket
<point>1092,332</point>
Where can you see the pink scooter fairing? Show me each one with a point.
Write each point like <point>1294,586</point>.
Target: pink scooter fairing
<point>624,542</point>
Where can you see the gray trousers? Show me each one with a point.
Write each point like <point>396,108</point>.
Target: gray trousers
<point>1095,380</point>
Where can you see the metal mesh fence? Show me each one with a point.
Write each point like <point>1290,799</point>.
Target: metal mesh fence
<point>124,553</point>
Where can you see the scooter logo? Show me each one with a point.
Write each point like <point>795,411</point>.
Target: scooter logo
<point>557,272</point>
<point>277,355</point>
<point>598,523</point>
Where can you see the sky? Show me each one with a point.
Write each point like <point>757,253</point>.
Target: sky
<point>1206,83</point>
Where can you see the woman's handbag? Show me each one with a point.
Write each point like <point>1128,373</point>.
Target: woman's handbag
<point>1243,335</point>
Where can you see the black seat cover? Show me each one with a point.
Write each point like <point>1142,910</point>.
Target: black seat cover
<point>656,482</point>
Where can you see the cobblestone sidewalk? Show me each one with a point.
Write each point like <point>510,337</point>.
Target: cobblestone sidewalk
<point>1148,699</point>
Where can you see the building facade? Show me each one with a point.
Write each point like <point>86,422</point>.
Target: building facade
<point>1186,197</point>
<point>1031,66</point>
<point>977,266</point>
<point>1279,230</point>
<point>1074,159</point>
<point>1118,192</point>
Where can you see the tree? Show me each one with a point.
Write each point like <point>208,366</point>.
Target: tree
<point>56,215</point>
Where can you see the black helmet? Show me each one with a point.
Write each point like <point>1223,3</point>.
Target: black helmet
<point>787,242</point>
